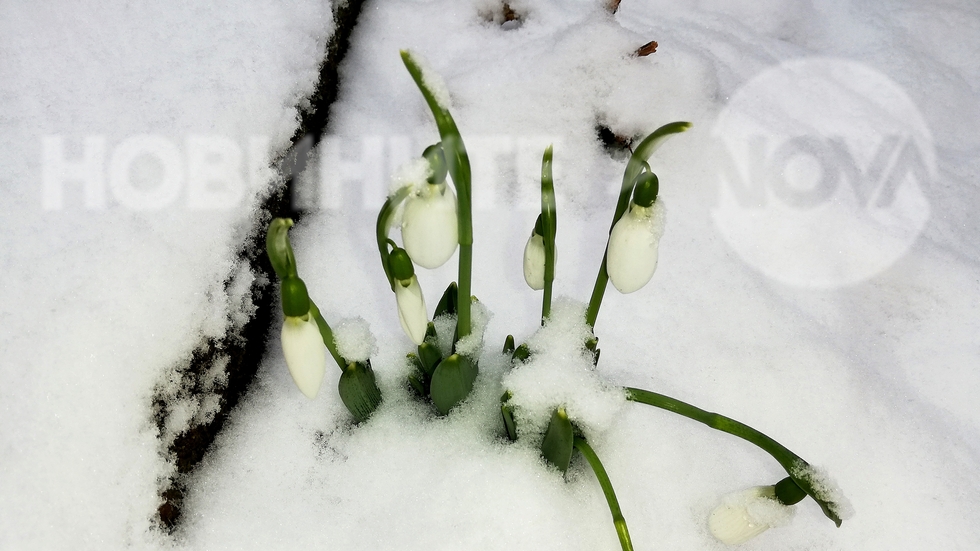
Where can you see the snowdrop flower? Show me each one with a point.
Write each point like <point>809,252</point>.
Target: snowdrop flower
<point>408,295</point>
<point>631,257</point>
<point>302,344</point>
<point>429,225</point>
<point>746,514</point>
<point>534,258</point>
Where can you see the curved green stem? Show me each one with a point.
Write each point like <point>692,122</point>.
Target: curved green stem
<point>633,169</point>
<point>600,473</point>
<point>327,335</point>
<point>458,165</point>
<point>794,465</point>
<point>549,221</point>
<point>383,226</point>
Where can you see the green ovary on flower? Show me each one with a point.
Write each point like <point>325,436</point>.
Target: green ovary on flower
<point>411,309</point>
<point>429,225</point>
<point>634,247</point>
<point>302,346</point>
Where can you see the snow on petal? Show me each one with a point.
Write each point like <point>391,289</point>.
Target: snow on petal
<point>744,515</point>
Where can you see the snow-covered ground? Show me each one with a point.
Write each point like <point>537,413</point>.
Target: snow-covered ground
<point>866,369</point>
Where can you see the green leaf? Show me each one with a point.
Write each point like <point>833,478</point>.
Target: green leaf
<point>509,345</point>
<point>522,353</point>
<point>447,304</point>
<point>359,391</point>
<point>452,382</point>
<point>549,221</point>
<point>508,415</point>
<point>558,440</point>
<point>429,357</point>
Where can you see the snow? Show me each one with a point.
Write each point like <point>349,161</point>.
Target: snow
<point>354,340</point>
<point>412,173</point>
<point>874,379</point>
<point>560,373</point>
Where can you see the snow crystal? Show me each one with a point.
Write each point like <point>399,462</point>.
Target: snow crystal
<point>826,489</point>
<point>471,344</point>
<point>560,372</point>
<point>411,173</point>
<point>433,81</point>
<point>354,339</point>
<point>761,506</point>
<point>445,330</point>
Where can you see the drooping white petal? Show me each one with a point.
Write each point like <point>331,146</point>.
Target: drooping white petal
<point>534,262</point>
<point>429,226</point>
<point>411,310</point>
<point>746,514</point>
<point>305,354</point>
<point>634,246</point>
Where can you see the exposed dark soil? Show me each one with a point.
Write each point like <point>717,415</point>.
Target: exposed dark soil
<point>244,347</point>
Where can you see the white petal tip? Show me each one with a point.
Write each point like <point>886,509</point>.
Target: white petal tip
<point>305,354</point>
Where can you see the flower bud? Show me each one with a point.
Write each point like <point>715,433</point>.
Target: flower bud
<point>634,243</point>
<point>411,309</point>
<point>305,354</point>
<point>746,514</point>
<point>534,257</point>
<point>429,225</point>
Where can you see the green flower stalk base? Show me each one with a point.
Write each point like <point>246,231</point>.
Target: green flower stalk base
<point>434,219</point>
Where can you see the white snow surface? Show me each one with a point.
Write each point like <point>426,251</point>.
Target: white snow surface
<point>874,381</point>
<point>99,304</point>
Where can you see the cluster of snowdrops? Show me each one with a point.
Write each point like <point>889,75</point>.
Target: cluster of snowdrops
<point>435,219</point>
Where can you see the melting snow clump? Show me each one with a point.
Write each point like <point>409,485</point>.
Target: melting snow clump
<point>560,372</point>
<point>354,339</point>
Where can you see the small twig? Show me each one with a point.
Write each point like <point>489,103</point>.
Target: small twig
<point>612,5</point>
<point>646,49</point>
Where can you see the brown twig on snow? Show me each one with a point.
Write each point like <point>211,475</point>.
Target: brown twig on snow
<point>646,49</point>
<point>612,5</point>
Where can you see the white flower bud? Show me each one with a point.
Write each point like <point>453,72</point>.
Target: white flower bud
<point>634,245</point>
<point>534,262</point>
<point>746,514</point>
<point>305,354</point>
<point>429,226</point>
<point>411,309</point>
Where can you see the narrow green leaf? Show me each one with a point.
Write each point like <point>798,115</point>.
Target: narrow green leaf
<point>449,301</point>
<point>549,221</point>
<point>509,345</point>
<point>521,354</point>
<point>429,357</point>
<point>508,415</point>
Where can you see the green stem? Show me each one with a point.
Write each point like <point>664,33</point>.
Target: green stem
<point>383,226</point>
<point>327,335</point>
<point>458,165</point>
<point>549,222</point>
<point>633,168</point>
<point>792,463</point>
<point>600,473</point>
